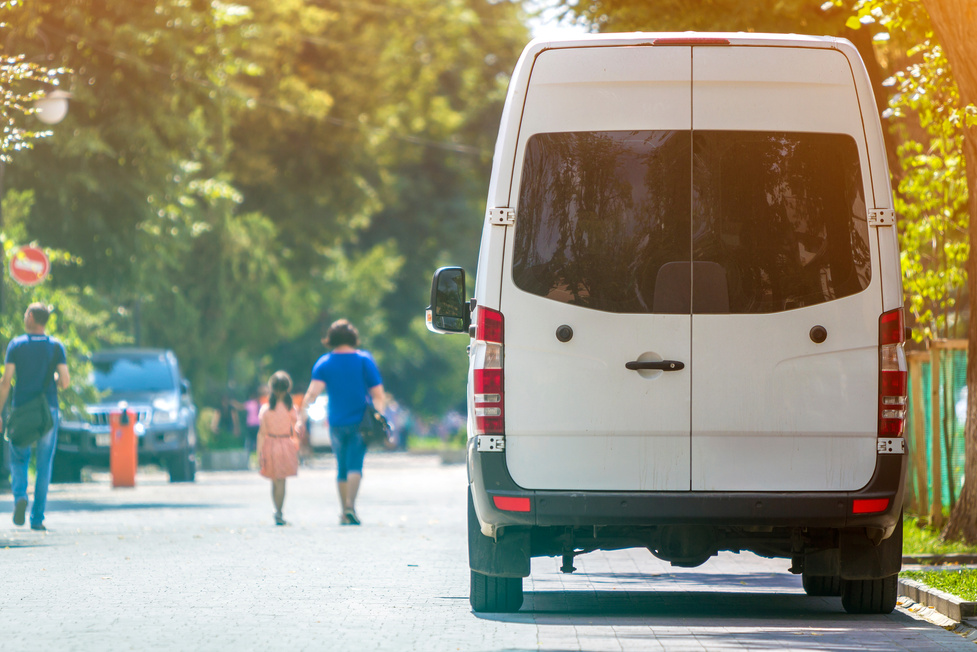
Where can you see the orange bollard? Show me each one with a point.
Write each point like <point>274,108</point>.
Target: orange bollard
<point>123,450</point>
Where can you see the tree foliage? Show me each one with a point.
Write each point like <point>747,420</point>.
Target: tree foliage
<point>233,176</point>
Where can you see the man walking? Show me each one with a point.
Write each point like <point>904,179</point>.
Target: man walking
<point>32,357</point>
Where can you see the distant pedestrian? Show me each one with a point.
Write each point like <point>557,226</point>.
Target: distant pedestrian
<point>278,445</point>
<point>39,364</point>
<point>226,420</point>
<point>350,377</point>
<point>252,409</point>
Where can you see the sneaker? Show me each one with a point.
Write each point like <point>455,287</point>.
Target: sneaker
<point>20,509</point>
<point>38,527</point>
<point>351,517</point>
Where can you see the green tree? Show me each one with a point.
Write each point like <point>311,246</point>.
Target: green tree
<point>940,176</point>
<point>79,320</point>
<point>224,164</point>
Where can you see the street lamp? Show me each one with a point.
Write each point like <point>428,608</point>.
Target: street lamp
<point>53,107</point>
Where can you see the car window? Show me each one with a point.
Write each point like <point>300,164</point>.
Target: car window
<point>133,374</point>
<point>623,221</point>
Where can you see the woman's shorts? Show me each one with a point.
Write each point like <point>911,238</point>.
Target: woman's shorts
<point>349,448</point>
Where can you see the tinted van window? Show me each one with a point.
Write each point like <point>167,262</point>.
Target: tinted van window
<point>599,213</point>
<point>783,214</point>
<point>623,221</point>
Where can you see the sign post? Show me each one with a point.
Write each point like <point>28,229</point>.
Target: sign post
<point>29,265</point>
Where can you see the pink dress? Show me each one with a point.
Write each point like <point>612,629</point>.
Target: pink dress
<point>279,452</point>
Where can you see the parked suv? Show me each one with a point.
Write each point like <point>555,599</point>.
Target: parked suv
<point>150,383</point>
<point>687,329</point>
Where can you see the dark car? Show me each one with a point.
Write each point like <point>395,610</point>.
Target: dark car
<point>150,383</point>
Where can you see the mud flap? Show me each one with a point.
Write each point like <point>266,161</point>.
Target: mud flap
<point>861,559</point>
<point>505,556</point>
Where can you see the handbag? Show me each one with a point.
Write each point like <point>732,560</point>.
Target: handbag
<point>30,421</point>
<point>374,428</point>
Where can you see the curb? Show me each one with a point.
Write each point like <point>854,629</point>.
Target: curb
<point>951,606</point>
<point>936,560</point>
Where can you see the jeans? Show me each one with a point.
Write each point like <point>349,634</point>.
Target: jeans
<point>349,448</point>
<point>20,457</point>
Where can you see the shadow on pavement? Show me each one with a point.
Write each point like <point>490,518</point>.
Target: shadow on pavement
<point>89,506</point>
<point>4,543</point>
<point>675,607</point>
<point>765,582</point>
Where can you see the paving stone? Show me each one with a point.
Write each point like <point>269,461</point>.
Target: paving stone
<point>201,566</point>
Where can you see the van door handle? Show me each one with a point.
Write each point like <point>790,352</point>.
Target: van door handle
<point>660,365</point>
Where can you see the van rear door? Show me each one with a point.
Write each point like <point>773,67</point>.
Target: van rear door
<point>601,189</point>
<point>705,205</point>
<point>781,177</point>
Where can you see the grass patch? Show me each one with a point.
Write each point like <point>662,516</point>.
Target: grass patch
<point>433,444</point>
<point>920,539</point>
<point>961,582</point>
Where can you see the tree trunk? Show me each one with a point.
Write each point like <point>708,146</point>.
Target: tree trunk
<point>954,23</point>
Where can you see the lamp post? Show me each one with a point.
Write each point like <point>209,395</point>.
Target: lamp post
<point>49,109</point>
<point>53,107</point>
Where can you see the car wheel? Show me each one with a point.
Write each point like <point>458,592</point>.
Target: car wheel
<point>821,585</point>
<point>869,596</point>
<point>183,468</point>
<point>495,594</point>
<point>66,470</point>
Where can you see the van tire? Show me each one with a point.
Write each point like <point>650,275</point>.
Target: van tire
<point>869,596</point>
<point>821,585</point>
<point>495,594</point>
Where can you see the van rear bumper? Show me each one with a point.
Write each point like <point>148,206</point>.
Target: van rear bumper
<point>489,478</point>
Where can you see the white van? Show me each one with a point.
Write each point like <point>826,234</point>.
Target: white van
<point>687,325</point>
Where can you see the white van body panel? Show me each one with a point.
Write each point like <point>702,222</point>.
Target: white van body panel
<point>592,428</point>
<point>577,418</point>
<point>772,410</point>
<point>759,406</point>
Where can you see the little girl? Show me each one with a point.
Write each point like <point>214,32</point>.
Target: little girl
<point>278,447</point>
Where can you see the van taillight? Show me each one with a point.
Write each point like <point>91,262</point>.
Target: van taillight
<point>893,374</point>
<point>489,393</point>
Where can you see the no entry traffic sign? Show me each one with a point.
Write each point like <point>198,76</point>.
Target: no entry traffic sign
<point>29,265</point>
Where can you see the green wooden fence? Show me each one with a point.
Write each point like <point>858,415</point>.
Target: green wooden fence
<point>935,427</point>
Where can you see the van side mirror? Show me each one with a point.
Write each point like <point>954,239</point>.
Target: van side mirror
<point>448,312</point>
<point>185,387</point>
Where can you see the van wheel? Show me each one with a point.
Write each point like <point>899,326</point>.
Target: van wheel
<point>869,596</point>
<point>820,585</point>
<point>496,594</point>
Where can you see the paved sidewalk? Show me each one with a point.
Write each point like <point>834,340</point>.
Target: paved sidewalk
<point>202,567</point>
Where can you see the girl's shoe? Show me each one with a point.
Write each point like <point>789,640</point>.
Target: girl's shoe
<point>350,517</point>
<point>278,519</point>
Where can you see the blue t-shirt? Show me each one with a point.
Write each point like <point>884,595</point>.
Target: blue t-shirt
<point>30,355</point>
<point>348,378</point>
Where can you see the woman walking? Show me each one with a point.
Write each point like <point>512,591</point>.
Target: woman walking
<point>278,446</point>
<point>350,377</point>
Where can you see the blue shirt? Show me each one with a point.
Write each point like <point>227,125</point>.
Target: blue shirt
<point>348,378</point>
<point>31,355</point>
